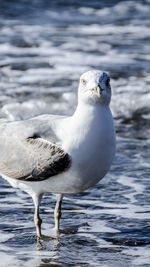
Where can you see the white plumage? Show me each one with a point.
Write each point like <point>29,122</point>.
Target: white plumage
<point>60,154</point>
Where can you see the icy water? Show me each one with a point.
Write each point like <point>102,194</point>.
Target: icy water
<point>44,48</point>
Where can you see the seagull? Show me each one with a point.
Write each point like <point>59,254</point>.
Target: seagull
<point>60,154</point>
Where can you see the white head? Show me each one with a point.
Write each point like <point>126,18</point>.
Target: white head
<point>94,88</point>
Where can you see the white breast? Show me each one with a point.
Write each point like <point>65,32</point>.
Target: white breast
<point>90,140</point>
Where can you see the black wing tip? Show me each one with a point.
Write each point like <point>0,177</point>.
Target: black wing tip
<point>57,167</point>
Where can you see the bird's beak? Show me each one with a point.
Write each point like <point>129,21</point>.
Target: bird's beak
<point>99,90</point>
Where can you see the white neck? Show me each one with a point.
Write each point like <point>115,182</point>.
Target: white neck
<point>86,112</point>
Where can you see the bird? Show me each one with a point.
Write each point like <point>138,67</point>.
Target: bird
<point>61,154</point>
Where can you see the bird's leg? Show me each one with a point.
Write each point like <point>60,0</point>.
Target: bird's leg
<point>38,222</point>
<point>37,219</point>
<point>57,212</point>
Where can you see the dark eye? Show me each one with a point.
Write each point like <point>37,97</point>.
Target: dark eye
<point>83,82</point>
<point>107,82</point>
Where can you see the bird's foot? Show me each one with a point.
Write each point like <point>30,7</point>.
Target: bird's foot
<point>55,234</point>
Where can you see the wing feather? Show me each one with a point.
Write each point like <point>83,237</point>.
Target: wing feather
<point>33,159</point>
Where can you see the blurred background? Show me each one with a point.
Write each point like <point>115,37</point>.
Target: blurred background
<point>44,48</point>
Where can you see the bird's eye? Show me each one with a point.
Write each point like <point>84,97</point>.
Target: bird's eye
<point>83,82</point>
<point>107,81</point>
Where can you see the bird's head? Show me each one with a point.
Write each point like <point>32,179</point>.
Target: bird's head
<point>94,87</point>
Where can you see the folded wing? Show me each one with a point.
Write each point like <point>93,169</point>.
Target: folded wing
<point>32,159</point>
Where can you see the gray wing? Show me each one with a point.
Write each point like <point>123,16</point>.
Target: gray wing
<point>25,155</point>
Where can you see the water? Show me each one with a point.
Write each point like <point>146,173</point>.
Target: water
<point>44,48</point>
